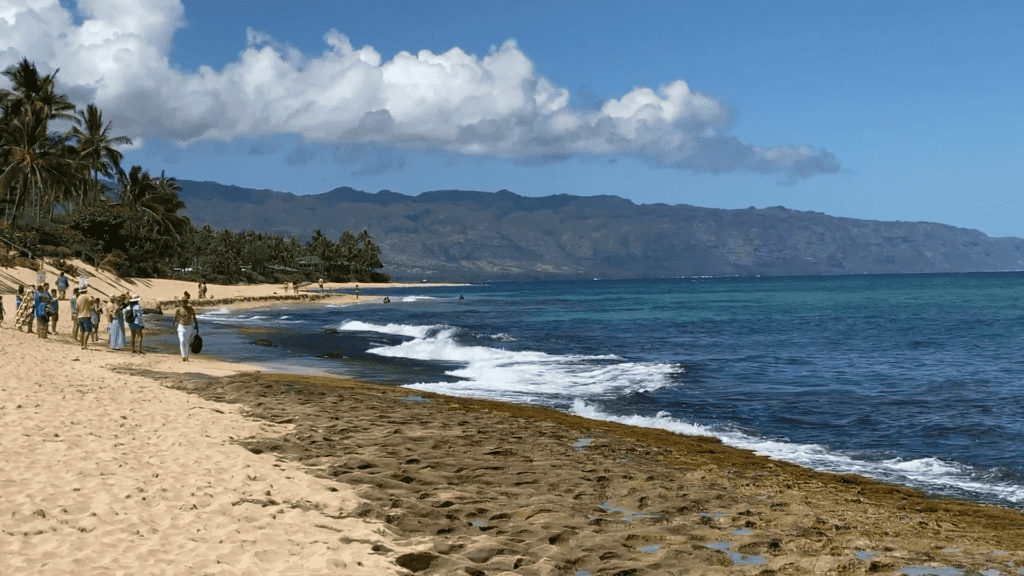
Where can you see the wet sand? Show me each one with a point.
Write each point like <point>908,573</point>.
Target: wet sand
<point>483,487</point>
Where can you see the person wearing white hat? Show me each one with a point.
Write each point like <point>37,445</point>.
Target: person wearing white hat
<point>134,316</point>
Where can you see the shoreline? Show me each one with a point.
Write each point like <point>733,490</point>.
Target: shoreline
<point>486,485</point>
<point>162,294</point>
<point>493,484</point>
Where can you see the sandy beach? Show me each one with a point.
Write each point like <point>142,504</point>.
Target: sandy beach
<point>115,463</point>
<point>159,293</point>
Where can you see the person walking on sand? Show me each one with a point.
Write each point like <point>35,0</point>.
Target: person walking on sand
<point>133,315</point>
<point>188,326</point>
<point>115,323</point>
<point>83,309</point>
<point>321,285</point>
<point>62,285</point>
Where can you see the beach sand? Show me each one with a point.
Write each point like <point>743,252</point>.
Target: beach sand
<point>163,293</point>
<point>108,472</point>
<point>114,463</point>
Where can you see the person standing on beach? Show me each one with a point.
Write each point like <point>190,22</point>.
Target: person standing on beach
<point>62,285</point>
<point>321,285</point>
<point>95,318</point>
<point>74,314</point>
<point>115,323</point>
<point>83,309</point>
<point>188,326</point>
<point>42,308</point>
<point>54,310</point>
<point>134,317</point>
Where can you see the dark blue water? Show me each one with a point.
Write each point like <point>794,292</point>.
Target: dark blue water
<point>914,379</point>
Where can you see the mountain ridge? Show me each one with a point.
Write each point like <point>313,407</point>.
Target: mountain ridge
<point>474,235</point>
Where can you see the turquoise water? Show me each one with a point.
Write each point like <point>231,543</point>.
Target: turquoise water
<point>914,379</point>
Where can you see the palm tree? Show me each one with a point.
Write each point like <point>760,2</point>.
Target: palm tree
<point>96,148</point>
<point>319,246</point>
<point>367,257</point>
<point>156,200</point>
<point>36,165</point>
<point>33,94</point>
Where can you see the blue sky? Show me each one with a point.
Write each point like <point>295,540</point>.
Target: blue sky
<point>876,110</point>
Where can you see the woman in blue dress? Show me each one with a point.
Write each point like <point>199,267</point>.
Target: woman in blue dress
<point>115,323</point>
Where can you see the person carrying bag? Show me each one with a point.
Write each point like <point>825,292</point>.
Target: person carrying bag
<point>188,327</point>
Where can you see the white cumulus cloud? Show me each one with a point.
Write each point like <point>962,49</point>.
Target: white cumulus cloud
<point>116,55</point>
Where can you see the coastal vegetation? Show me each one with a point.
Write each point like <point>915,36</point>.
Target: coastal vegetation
<point>64,194</point>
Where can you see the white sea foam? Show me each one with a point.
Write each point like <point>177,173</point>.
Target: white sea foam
<point>929,474</point>
<point>213,313</point>
<point>396,329</point>
<point>518,375</point>
<point>418,298</point>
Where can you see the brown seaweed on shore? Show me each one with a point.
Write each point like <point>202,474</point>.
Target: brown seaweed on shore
<point>500,487</point>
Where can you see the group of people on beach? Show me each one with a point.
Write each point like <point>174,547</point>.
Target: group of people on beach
<point>40,309</point>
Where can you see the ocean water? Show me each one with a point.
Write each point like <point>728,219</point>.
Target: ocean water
<point>912,379</point>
